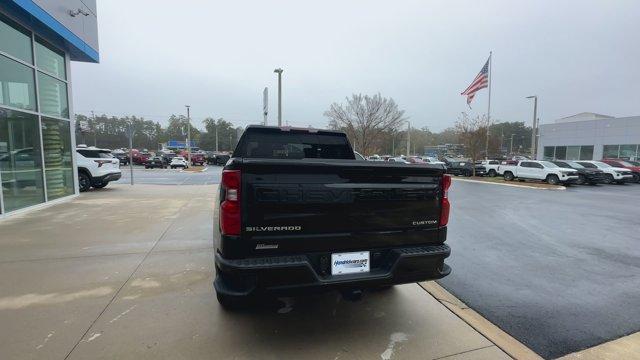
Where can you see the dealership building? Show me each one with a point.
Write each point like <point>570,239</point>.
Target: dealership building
<point>590,136</point>
<point>38,39</point>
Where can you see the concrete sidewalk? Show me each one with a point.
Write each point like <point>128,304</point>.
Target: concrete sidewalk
<point>126,273</point>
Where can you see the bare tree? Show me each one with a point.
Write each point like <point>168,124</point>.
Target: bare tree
<point>472,133</point>
<point>365,118</point>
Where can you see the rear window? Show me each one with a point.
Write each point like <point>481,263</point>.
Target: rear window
<point>95,154</point>
<point>294,145</point>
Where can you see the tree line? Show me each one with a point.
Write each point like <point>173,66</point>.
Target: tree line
<point>376,125</point>
<point>111,132</point>
<point>373,123</point>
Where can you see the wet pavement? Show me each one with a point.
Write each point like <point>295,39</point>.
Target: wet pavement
<point>557,270</point>
<point>126,273</point>
<point>211,174</point>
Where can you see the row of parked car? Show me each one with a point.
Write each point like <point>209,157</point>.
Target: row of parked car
<point>607,171</point>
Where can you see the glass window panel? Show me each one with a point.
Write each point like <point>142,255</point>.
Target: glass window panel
<point>53,96</point>
<point>20,160</point>
<point>58,165</point>
<point>627,151</point>
<point>561,152</point>
<point>586,152</point>
<point>50,60</point>
<point>17,85</point>
<point>573,153</point>
<point>549,152</point>
<point>15,41</point>
<point>610,151</point>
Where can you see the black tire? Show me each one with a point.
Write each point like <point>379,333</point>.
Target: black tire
<point>581,179</point>
<point>508,176</point>
<point>173,167</point>
<point>553,179</point>
<point>100,185</point>
<point>608,179</point>
<point>146,167</point>
<point>84,181</point>
<point>492,173</point>
<point>636,178</point>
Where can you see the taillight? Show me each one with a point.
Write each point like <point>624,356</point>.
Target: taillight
<point>102,162</point>
<point>230,207</point>
<point>445,206</point>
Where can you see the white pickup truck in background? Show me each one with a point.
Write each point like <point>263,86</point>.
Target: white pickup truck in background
<point>490,165</point>
<point>538,170</point>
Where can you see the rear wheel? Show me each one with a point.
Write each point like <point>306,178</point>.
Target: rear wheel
<point>608,179</point>
<point>508,176</point>
<point>553,179</point>
<point>84,182</point>
<point>492,173</point>
<point>636,178</point>
<point>100,185</point>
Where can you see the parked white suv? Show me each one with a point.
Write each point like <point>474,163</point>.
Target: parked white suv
<point>178,162</point>
<point>96,168</point>
<point>538,170</point>
<point>611,174</point>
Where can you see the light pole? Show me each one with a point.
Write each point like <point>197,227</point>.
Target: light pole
<point>188,135</point>
<point>511,147</point>
<point>279,72</point>
<point>131,133</point>
<point>408,138</point>
<point>533,130</point>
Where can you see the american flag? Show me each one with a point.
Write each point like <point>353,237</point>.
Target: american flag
<point>480,82</point>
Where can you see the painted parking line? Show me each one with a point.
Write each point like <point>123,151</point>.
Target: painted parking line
<point>511,185</point>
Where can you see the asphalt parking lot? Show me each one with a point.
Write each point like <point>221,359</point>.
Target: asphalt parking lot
<point>558,270</point>
<point>210,175</point>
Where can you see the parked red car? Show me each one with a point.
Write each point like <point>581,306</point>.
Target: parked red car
<point>415,160</point>
<point>196,158</point>
<point>627,165</point>
<point>139,157</point>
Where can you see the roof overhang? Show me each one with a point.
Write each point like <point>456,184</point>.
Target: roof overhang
<point>47,27</point>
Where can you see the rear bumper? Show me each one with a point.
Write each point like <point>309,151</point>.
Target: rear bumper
<point>108,177</point>
<point>311,273</point>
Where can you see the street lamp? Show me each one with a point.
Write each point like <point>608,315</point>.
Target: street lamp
<point>511,147</point>
<point>408,138</point>
<point>279,72</point>
<point>188,135</point>
<point>535,125</point>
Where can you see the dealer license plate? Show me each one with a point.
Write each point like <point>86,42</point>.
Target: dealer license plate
<point>350,263</point>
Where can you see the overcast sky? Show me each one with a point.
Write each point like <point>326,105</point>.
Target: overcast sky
<point>217,56</point>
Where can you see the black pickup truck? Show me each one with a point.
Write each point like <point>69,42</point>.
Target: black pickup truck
<point>298,213</point>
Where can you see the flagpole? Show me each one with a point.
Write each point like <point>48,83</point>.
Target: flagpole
<point>486,146</point>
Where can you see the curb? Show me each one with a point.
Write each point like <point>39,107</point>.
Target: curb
<point>511,185</point>
<point>500,338</point>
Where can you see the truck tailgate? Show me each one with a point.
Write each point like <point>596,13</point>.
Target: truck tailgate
<point>320,205</point>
